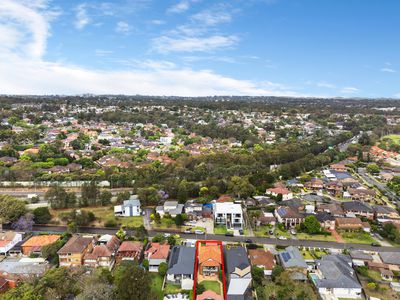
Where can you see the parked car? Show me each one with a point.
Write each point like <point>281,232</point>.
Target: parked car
<point>271,232</point>
<point>187,231</point>
<point>375,245</point>
<point>229,234</point>
<point>282,238</point>
<point>248,241</point>
<point>197,231</point>
<point>241,231</point>
<point>293,232</point>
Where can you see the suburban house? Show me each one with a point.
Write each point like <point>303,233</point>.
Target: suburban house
<point>37,242</point>
<point>170,207</point>
<point>335,188</point>
<point>181,266</point>
<point>16,269</point>
<point>385,213</point>
<point>103,254</point>
<point>334,209</point>
<point>336,278</point>
<point>349,223</point>
<point>130,208</point>
<point>286,194</point>
<point>360,258</point>
<point>156,254</point>
<point>238,271</point>
<point>8,240</point>
<point>359,209</point>
<point>210,259</point>
<point>262,259</point>
<point>314,184</point>
<point>361,194</point>
<point>289,216</point>
<point>392,259</point>
<point>338,167</point>
<point>229,214</point>
<point>193,209</point>
<point>326,220</point>
<point>292,258</point>
<point>129,250</point>
<point>73,252</point>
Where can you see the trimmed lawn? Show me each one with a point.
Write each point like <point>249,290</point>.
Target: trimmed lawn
<point>220,229</point>
<point>212,286</point>
<point>306,254</point>
<point>156,285</point>
<point>102,213</point>
<point>315,237</point>
<point>357,237</point>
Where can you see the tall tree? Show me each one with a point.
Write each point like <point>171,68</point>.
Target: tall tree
<point>131,282</point>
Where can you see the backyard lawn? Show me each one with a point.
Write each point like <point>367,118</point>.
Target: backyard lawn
<point>103,214</point>
<point>171,289</point>
<point>156,285</point>
<point>357,237</point>
<point>212,285</point>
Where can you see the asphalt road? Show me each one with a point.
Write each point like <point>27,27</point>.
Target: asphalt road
<point>258,240</point>
<point>382,187</point>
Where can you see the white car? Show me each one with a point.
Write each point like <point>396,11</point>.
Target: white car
<point>199,231</point>
<point>282,238</point>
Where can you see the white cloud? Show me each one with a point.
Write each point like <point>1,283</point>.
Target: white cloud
<point>157,22</point>
<point>388,70</point>
<point>102,53</point>
<point>179,7</point>
<point>349,90</point>
<point>81,18</point>
<point>212,18</point>
<point>123,27</point>
<point>324,84</point>
<point>24,71</point>
<point>167,44</point>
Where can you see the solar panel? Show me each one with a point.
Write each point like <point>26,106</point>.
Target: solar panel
<point>285,256</point>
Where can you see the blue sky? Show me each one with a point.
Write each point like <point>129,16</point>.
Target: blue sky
<point>346,48</point>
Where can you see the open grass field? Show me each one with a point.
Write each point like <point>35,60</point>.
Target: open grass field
<point>102,213</point>
<point>394,137</point>
<point>357,237</point>
<point>315,237</point>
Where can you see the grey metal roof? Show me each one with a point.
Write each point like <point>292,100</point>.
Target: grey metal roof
<point>181,260</point>
<point>391,258</point>
<point>357,206</point>
<point>292,257</point>
<point>337,272</point>
<point>236,257</point>
<point>357,254</point>
<point>132,202</point>
<point>22,268</point>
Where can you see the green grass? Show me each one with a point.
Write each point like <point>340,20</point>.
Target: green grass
<point>306,254</point>
<point>279,232</point>
<point>357,237</point>
<point>156,285</point>
<point>315,237</point>
<point>262,230</point>
<point>212,286</point>
<point>102,213</point>
<point>394,137</point>
<point>220,229</point>
<point>171,289</point>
